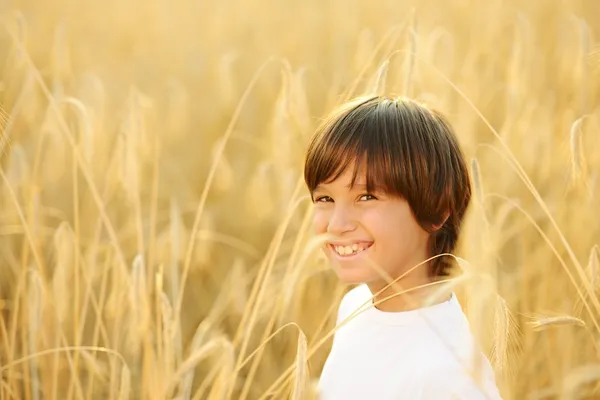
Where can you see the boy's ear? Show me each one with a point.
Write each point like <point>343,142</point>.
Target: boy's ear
<point>437,227</point>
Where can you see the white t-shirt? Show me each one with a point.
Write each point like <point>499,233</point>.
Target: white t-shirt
<point>422,354</point>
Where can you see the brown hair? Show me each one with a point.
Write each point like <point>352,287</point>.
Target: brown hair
<point>410,151</point>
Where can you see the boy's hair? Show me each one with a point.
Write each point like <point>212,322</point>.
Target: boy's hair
<point>408,150</point>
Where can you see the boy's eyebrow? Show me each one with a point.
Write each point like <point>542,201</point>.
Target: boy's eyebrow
<point>364,187</point>
<point>357,185</point>
<point>319,188</point>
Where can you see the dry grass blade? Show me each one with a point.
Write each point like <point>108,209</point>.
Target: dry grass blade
<point>410,62</point>
<point>300,104</point>
<point>594,59</point>
<point>194,359</point>
<point>226,366</point>
<point>540,323</point>
<point>18,170</point>
<point>578,377</point>
<point>4,137</point>
<point>379,88</point>
<point>475,171</point>
<point>502,325</point>
<point>176,236</point>
<point>302,376</point>
<point>297,267</point>
<point>206,383</point>
<point>224,175</point>
<point>139,321</point>
<point>203,332</point>
<point>283,135</point>
<point>35,309</point>
<point>261,183</point>
<point>168,332</point>
<point>575,141</point>
<point>593,275</point>
<point>593,267</point>
<point>66,349</point>
<point>125,387</point>
<point>94,365</point>
<point>61,278</point>
<point>365,45</point>
<point>86,138</point>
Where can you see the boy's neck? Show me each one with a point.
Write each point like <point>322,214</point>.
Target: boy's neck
<point>409,297</point>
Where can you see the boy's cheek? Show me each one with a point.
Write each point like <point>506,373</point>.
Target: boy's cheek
<point>319,222</point>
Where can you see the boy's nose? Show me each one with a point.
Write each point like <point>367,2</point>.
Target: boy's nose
<point>341,221</point>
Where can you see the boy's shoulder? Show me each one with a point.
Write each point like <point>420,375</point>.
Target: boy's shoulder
<point>457,367</point>
<point>354,299</point>
<point>443,378</point>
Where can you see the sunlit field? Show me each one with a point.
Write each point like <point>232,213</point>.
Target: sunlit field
<point>155,237</point>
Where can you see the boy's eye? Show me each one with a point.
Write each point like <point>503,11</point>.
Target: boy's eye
<point>366,197</point>
<point>323,199</point>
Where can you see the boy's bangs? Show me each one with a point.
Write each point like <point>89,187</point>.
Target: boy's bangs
<point>363,151</point>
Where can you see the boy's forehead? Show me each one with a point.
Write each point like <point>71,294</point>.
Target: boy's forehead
<point>339,183</point>
<point>345,180</point>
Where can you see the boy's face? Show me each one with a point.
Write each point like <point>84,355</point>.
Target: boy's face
<point>368,228</point>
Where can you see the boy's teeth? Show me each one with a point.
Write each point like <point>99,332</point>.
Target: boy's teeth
<point>347,250</point>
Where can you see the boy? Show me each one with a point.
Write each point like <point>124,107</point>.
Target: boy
<point>390,189</point>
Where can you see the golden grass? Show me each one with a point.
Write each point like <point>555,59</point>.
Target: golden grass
<point>155,232</point>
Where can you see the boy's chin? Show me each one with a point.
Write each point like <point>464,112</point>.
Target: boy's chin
<point>353,277</point>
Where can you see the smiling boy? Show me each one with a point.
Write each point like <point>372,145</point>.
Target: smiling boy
<point>390,189</point>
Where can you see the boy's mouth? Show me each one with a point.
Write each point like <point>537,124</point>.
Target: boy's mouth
<point>350,249</point>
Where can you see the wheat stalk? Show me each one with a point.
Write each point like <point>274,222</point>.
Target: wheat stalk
<point>139,320</point>
<point>502,325</point>
<point>35,310</point>
<point>577,378</point>
<point>4,137</point>
<point>540,323</point>
<point>301,376</point>
<point>381,78</point>
<point>593,267</point>
<point>125,380</point>
<point>169,332</point>
<point>194,359</point>
<point>410,62</point>
<point>477,183</point>
<point>575,142</point>
<point>63,269</point>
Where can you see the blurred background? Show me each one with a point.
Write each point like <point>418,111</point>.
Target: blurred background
<point>154,228</point>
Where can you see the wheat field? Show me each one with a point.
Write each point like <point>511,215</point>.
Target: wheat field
<point>155,236</point>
